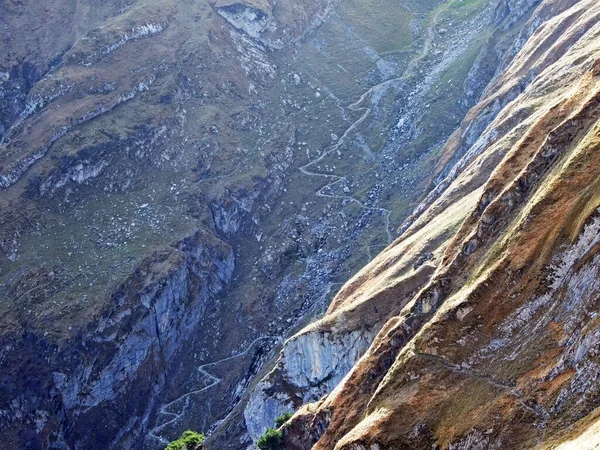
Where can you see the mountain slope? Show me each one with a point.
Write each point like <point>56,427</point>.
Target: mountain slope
<point>183,185</point>
<point>490,339</point>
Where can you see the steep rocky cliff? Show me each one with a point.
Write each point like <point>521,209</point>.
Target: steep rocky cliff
<point>488,300</point>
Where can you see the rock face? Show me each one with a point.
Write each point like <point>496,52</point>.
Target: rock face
<point>310,366</point>
<point>251,20</point>
<point>497,346</point>
<point>154,313</point>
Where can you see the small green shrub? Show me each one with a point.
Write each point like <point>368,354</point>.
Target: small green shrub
<point>271,440</point>
<point>189,440</point>
<point>283,419</point>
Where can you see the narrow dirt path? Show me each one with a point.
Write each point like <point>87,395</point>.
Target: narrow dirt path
<point>538,410</point>
<point>339,179</point>
<point>166,410</point>
<point>356,106</point>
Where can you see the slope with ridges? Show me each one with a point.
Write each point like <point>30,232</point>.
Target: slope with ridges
<point>497,349</point>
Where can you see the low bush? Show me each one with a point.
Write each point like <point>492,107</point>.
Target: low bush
<point>271,440</point>
<point>189,440</point>
<point>283,419</point>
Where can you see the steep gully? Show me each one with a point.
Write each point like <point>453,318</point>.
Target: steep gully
<point>165,410</point>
